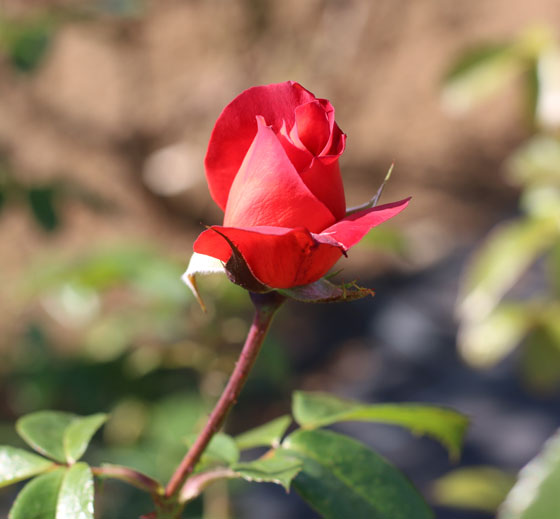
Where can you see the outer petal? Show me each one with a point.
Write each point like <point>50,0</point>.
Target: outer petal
<point>353,228</point>
<point>278,257</point>
<point>269,191</point>
<point>236,127</point>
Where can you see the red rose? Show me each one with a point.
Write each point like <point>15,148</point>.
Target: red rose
<point>272,166</point>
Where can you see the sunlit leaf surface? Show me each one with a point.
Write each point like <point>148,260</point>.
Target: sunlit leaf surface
<point>17,464</point>
<point>313,410</point>
<point>265,435</point>
<point>343,478</point>
<point>61,436</point>
<point>275,467</point>
<point>39,498</point>
<point>536,494</point>
<point>474,488</point>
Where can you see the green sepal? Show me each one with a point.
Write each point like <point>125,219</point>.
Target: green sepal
<point>323,291</point>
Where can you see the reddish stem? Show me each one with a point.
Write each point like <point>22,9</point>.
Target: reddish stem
<point>266,306</point>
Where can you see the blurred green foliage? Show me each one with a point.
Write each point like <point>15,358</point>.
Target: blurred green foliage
<point>486,69</point>
<point>330,471</point>
<point>510,289</point>
<point>535,494</point>
<point>498,306</point>
<point>474,488</point>
<point>43,201</point>
<point>25,39</point>
<point>116,330</point>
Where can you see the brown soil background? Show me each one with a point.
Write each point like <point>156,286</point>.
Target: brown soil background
<point>113,91</point>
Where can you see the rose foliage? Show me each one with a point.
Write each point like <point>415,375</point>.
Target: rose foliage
<point>273,167</point>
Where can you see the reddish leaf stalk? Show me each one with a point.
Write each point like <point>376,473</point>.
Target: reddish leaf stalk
<point>266,306</point>
<point>129,475</point>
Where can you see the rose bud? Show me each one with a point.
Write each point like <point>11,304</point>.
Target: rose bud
<point>272,167</point>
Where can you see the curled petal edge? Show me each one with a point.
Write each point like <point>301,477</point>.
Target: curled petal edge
<point>201,264</point>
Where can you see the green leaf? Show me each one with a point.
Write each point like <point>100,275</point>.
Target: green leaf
<point>386,238</point>
<point>478,74</point>
<point>537,161</point>
<point>42,204</point>
<point>65,493</point>
<point>79,433</point>
<point>17,464</point>
<point>343,478</point>
<point>312,410</point>
<point>536,495</point>
<point>549,318</point>
<point>25,42</point>
<point>39,498</point>
<point>141,267</point>
<point>531,92</point>
<point>541,360</point>
<point>265,435</point>
<point>498,264</point>
<point>75,500</point>
<point>474,488</point>
<point>486,341</point>
<point>221,449</point>
<point>44,432</point>
<point>547,68</point>
<point>554,269</point>
<point>58,435</point>
<point>323,291</point>
<point>274,467</point>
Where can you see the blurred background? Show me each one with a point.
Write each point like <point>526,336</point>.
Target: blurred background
<point>105,111</point>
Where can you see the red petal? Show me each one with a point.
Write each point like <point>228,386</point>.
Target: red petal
<point>235,130</point>
<point>337,142</point>
<point>313,126</point>
<point>278,257</point>
<point>299,156</point>
<point>324,181</point>
<point>353,228</point>
<point>268,191</point>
